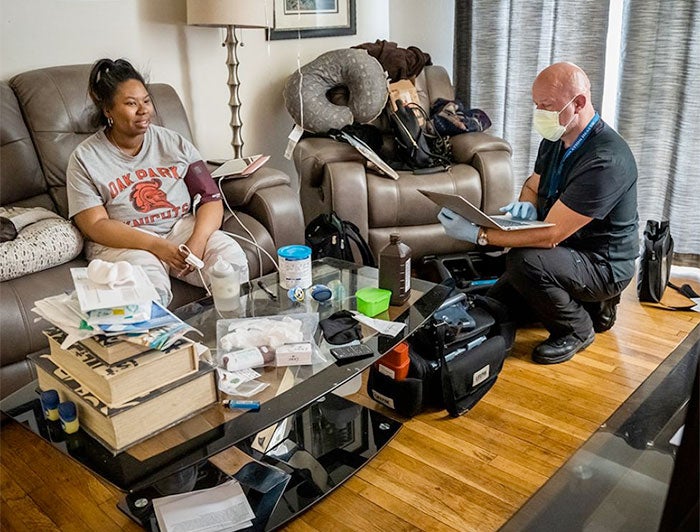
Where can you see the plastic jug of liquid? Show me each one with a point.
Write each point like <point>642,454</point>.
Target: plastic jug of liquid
<point>225,285</point>
<point>395,269</point>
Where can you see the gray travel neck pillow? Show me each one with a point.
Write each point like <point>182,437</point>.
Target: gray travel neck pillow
<point>306,92</point>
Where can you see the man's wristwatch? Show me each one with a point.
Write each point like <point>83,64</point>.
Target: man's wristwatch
<point>482,239</point>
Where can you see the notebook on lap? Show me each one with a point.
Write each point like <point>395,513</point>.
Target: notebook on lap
<point>468,211</point>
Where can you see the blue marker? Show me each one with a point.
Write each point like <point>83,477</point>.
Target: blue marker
<point>243,405</point>
<point>483,282</point>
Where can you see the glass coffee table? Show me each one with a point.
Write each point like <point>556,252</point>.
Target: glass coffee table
<point>303,442</point>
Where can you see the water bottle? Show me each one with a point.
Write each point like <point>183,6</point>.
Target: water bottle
<point>225,285</point>
<point>395,269</point>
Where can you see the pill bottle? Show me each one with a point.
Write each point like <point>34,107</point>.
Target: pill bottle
<point>225,285</point>
<point>395,363</point>
<point>395,269</point>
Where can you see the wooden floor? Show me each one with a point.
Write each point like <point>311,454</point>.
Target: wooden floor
<point>439,473</point>
<point>474,472</point>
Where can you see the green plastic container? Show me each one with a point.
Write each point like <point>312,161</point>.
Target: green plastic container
<point>372,301</point>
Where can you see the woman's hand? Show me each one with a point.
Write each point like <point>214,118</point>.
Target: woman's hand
<point>169,253</point>
<point>196,246</point>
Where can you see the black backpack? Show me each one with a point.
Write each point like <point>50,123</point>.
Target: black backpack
<point>329,236</point>
<point>411,141</point>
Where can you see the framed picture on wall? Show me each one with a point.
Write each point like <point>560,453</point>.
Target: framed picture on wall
<point>312,18</point>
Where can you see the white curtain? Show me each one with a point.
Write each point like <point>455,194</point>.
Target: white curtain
<point>501,45</point>
<point>659,114</point>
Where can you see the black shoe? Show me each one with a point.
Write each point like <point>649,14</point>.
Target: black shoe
<point>556,350</point>
<point>603,313</point>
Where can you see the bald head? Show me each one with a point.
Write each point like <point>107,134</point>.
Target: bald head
<point>565,89</point>
<point>565,78</point>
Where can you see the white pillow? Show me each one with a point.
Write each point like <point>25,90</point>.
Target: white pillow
<point>40,245</point>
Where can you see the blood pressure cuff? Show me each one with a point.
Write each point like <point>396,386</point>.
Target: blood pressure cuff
<point>200,183</point>
<point>340,328</point>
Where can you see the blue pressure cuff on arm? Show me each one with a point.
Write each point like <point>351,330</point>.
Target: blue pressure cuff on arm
<point>200,182</point>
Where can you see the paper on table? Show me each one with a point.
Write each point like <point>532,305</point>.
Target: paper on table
<point>63,311</point>
<point>223,507</point>
<point>92,296</point>
<point>390,328</point>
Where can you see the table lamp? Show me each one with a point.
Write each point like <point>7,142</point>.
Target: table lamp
<point>230,14</point>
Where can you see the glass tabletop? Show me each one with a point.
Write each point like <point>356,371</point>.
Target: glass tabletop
<point>618,480</point>
<point>290,388</point>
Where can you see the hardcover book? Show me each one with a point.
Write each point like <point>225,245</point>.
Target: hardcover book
<point>112,349</point>
<point>123,426</point>
<point>130,378</point>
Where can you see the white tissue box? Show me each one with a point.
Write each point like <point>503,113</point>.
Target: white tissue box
<point>297,354</point>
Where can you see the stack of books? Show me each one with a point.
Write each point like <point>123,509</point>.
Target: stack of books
<point>130,386</point>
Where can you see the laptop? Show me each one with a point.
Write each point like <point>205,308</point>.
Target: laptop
<point>466,210</point>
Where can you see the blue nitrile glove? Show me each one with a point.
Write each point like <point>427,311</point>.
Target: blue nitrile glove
<point>523,210</point>
<point>457,227</point>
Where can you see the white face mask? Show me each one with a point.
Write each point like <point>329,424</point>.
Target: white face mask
<point>547,124</point>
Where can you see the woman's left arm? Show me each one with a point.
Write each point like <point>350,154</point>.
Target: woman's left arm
<point>208,219</point>
<point>210,211</point>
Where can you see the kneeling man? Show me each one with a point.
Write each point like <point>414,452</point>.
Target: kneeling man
<point>569,275</point>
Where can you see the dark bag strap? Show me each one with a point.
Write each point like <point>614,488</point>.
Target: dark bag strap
<point>685,290</point>
<point>411,137</point>
<point>353,233</point>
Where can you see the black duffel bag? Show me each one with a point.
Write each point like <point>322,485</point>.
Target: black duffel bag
<point>451,367</point>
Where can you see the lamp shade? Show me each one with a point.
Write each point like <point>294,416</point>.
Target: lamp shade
<point>239,13</point>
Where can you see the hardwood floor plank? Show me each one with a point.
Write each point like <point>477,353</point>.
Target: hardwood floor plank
<point>553,415</point>
<point>449,499</point>
<point>450,462</point>
<point>359,513</point>
<point>420,520</point>
<point>511,421</point>
<point>31,518</point>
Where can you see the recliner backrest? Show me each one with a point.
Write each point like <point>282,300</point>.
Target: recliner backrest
<point>432,83</point>
<point>22,182</point>
<point>58,112</point>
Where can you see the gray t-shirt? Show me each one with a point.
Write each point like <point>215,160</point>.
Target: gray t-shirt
<point>146,191</point>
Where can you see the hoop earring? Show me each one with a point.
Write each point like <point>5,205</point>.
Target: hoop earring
<point>110,121</point>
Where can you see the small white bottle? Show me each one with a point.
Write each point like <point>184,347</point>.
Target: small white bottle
<point>225,285</point>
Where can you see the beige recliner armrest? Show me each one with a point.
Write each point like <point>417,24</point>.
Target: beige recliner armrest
<point>491,157</point>
<point>467,145</point>
<point>269,200</point>
<point>239,191</point>
<point>313,154</point>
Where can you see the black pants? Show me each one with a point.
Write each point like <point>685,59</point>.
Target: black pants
<point>552,286</point>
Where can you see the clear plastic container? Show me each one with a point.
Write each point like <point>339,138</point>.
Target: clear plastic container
<point>225,285</point>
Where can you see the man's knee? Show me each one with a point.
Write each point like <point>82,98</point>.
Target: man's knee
<point>526,265</point>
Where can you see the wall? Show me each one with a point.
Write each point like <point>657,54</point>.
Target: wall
<point>154,36</point>
<point>427,25</point>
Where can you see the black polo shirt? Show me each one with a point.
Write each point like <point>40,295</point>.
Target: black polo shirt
<point>598,180</point>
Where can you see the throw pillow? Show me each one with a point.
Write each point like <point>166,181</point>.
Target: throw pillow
<point>46,241</point>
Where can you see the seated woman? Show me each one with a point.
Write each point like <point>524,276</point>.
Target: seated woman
<point>133,187</point>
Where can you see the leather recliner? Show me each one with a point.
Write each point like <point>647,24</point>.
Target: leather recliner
<point>333,177</point>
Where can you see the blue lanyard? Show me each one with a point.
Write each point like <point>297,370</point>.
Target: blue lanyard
<point>555,178</point>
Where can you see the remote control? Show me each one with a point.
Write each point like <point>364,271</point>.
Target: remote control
<point>347,353</point>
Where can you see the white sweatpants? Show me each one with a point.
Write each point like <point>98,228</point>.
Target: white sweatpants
<point>158,272</point>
